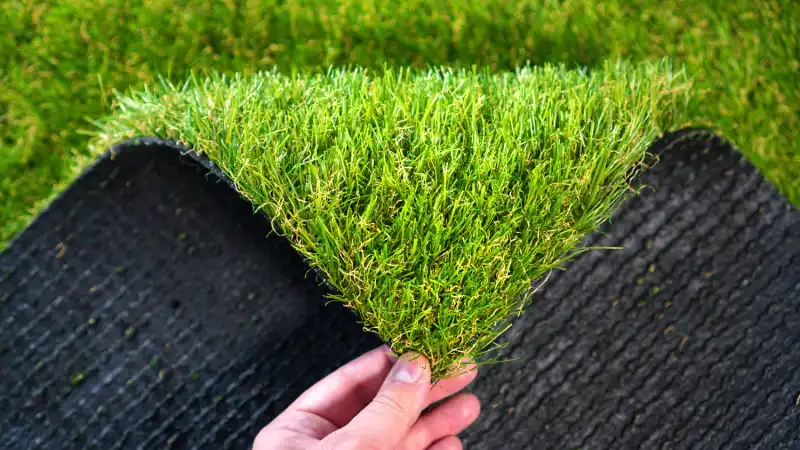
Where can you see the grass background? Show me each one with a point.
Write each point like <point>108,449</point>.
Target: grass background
<point>60,61</point>
<point>428,199</point>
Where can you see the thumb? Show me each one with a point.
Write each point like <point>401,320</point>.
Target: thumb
<point>386,420</point>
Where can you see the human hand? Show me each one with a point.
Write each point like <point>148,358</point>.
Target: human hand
<point>375,402</point>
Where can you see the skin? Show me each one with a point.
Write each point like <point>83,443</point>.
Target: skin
<point>376,402</point>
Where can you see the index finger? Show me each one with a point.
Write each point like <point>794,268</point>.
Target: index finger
<point>344,393</point>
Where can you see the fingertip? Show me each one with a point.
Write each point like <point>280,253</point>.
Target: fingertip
<point>470,372</point>
<point>466,369</point>
<point>471,407</point>
<point>472,366</point>
<point>384,348</point>
<point>463,408</point>
<point>390,354</point>
<point>446,419</point>
<point>411,368</point>
<point>449,386</point>
<point>447,443</point>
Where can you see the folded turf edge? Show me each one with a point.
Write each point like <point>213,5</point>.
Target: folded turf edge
<point>428,199</point>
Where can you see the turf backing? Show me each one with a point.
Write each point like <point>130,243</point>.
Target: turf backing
<point>145,309</point>
<point>60,61</point>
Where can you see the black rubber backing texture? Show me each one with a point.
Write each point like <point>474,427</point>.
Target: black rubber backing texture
<point>146,309</point>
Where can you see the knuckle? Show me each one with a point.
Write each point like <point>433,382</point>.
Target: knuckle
<point>360,443</point>
<point>388,405</point>
<point>414,442</point>
<point>262,440</point>
<point>370,445</point>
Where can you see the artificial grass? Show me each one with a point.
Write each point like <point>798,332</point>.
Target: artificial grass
<point>429,200</point>
<point>60,61</point>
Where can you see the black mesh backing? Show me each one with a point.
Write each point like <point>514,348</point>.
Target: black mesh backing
<point>146,309</point>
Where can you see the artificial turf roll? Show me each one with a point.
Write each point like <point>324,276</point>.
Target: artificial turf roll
<point>430,200</point>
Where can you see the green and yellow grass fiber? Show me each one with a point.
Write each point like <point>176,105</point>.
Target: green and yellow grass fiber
<point>429,199</point>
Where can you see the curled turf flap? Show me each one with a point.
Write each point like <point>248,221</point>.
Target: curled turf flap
<point>429,200</point>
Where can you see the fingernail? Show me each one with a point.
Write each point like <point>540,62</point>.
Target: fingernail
<point>409,368</point>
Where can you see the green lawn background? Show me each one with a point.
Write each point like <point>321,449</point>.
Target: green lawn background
<point>60,62</point>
